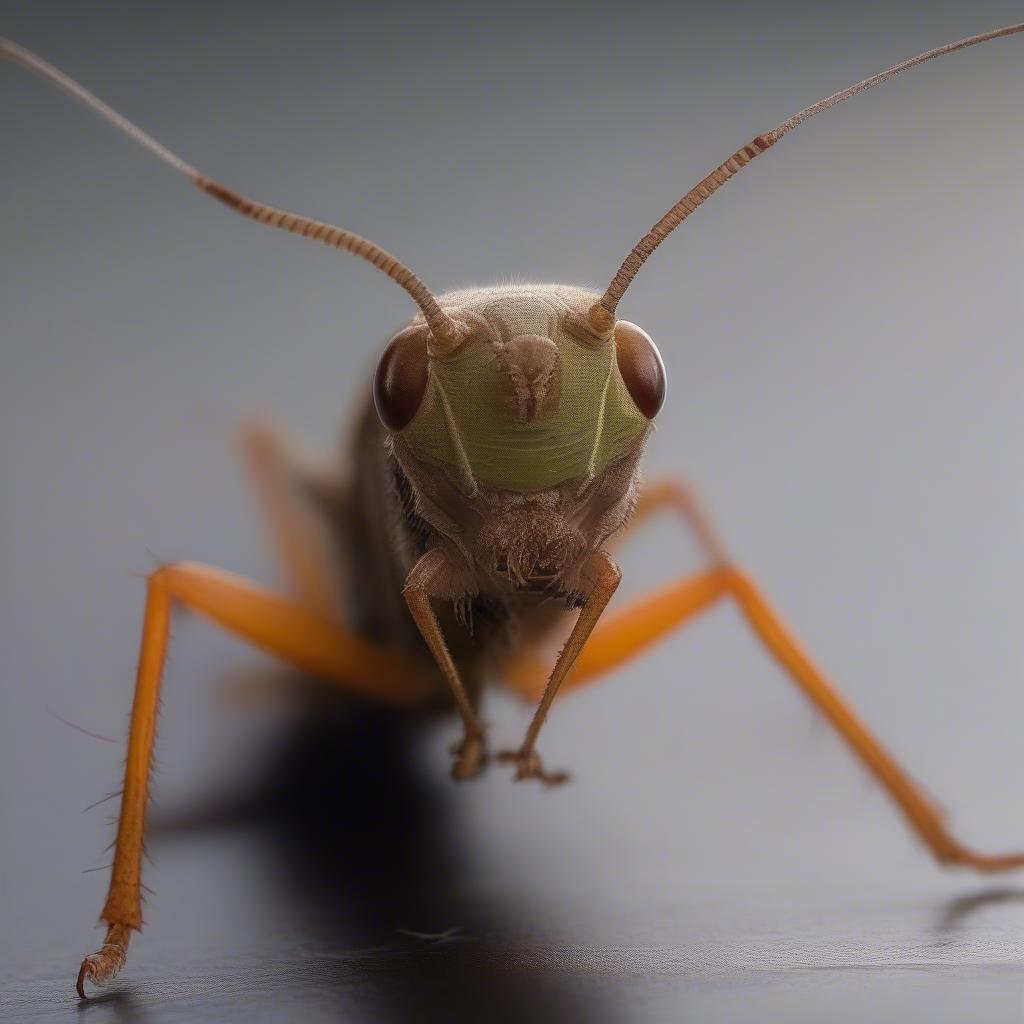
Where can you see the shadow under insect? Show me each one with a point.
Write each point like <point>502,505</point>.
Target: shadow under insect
<point>367,852</point>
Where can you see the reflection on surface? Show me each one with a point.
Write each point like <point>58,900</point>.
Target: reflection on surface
<point>368,855</point>
<point>956,912</point>
<point>124,1007</point>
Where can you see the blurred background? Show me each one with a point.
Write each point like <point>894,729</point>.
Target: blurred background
<point>841,327</point>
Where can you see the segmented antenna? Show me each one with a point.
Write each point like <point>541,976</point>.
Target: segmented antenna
<point>445,331</point>
<point>601,316</point>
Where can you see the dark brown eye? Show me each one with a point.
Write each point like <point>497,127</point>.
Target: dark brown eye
<point>401,378</point>
<point>641,367</point>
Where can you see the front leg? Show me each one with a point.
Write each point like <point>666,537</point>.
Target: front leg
<point>602,576</point>
<point>435,575</point>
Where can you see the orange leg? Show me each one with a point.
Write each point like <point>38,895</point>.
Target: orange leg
<point>626,632</point>
<point>278,626</point>
<point>651,618</point>
<point>678,602</point>
<point>297,495</point>
<point>669,495</point>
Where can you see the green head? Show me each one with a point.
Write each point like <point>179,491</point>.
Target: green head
<point>528,398</point>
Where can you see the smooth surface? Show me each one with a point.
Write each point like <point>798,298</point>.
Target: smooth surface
<point>840,328</point>
<point>310,901</point>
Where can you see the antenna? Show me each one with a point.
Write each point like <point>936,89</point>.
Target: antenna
<point>446,332</point>
<point>601,316</point>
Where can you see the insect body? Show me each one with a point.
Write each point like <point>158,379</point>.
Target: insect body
<point>493,465</point>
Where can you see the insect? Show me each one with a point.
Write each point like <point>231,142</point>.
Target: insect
<point>496,462</point>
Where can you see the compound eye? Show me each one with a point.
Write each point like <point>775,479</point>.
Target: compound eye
<point>641,367</point>
<point>401,378</point>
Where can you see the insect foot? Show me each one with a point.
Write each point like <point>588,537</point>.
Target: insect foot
<point>529,766</point>
<point>470,756</point>
<point>104,965</point>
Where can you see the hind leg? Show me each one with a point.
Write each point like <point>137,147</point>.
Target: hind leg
<point>303,502</point>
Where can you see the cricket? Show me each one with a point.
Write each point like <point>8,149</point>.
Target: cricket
<point>493,467</point>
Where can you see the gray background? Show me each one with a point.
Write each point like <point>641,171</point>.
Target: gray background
<point>841,329</point>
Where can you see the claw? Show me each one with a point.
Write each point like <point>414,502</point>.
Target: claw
<point>529,766</point>
<point>104,965</point>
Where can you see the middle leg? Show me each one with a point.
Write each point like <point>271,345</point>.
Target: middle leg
<point>654,616</point>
